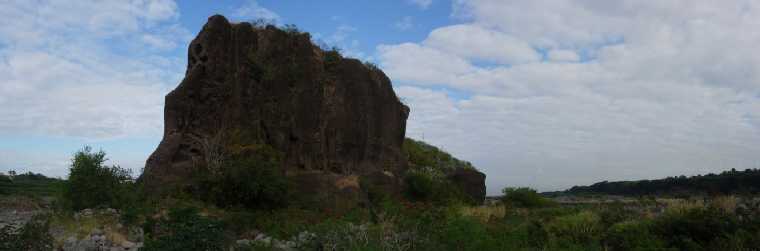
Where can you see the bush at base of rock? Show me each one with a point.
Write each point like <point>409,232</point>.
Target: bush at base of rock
<point>252,181</point>
<point>184,229</point>
<point>91,184</point>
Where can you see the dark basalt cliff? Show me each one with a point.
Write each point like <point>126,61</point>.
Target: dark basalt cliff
<point>335,120</point>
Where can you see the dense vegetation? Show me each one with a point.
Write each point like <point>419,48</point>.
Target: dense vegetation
<point>92,184</point>
<point>184,229</point>
<point>30,184</point>
<point>728,182</point>
<point>683,225</point>
<point>251,179</point>
<point>426,177</point>
<point>421,154</point>
<point>225,212</point>
<point>524,197</point>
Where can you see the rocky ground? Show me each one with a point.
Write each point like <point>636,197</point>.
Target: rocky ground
<point>14,218</point>
<point>100,230</point>
<point>87,230</point>
<point>104,235</point>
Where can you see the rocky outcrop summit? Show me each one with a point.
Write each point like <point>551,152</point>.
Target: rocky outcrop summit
<point>336,120</point>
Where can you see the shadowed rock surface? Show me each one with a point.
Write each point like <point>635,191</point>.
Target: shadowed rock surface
<point>472,182</point>
<point>335,119</point>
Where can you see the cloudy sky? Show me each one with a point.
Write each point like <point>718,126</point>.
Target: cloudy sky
<point>539,93</point>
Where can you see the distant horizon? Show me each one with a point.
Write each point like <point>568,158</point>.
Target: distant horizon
<point>539,94</point>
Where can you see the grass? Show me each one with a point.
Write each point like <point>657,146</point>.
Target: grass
<point>485,213</point>
<point>679,225</point>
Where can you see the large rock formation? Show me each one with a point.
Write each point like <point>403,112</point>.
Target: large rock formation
<point>336,120</point>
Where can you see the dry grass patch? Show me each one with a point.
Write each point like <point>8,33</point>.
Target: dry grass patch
<point>680,205</point>
<point>725,203</point>
<point>485,213</point>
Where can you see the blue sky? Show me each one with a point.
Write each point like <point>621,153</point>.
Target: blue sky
<point>366,23</point>
<point>539,93</point>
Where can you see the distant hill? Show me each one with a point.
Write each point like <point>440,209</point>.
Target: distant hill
<point>728,182</point>
<point>32,184</point>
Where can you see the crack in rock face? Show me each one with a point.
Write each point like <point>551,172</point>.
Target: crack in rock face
<point>330,117</point>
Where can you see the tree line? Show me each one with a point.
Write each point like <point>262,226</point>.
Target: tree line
<point>727,182</point>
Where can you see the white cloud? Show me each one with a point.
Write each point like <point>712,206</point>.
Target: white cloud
<point>158,42</point>
<point>665,88</point>
<point>405,23</point>
<point>159,10</point>
<point>251,10</point>
<point>341,33</point>
<point>415,63</point>
<point>476,42</point>
<point>422,4</point>
<point>61,78</point>
<point>563,56</point>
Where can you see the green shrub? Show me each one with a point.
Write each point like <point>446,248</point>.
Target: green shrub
<point>420,185</point>
<point>291,29</point>
<point>331,58</point>
<point>252,180</point>
<point>581,229</point>
<point>537,234</point>
<point>421,154</point>
<point>633,235</point>
<point>549,213</point>
<point>253,183</point>
<point>615,213</point>
<point>240,221</point>
<point>371,66</point>
<point>33,236</point>
<point>524,197</point>
<point>92,184</point>
<point>464,233</point>
<point>695,228</point>
<point>430,185</point>
<point>184,229</point>
<point>739,241</point>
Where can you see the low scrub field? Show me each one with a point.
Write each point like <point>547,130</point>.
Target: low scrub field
<point>721,223</point>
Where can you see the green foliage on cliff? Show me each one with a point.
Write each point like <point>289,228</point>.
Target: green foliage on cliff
<point>426,178</point>
<point>421,154</point>
<point>430,185</point>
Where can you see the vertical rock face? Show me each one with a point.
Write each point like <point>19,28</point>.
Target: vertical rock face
<point>333,118</point>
